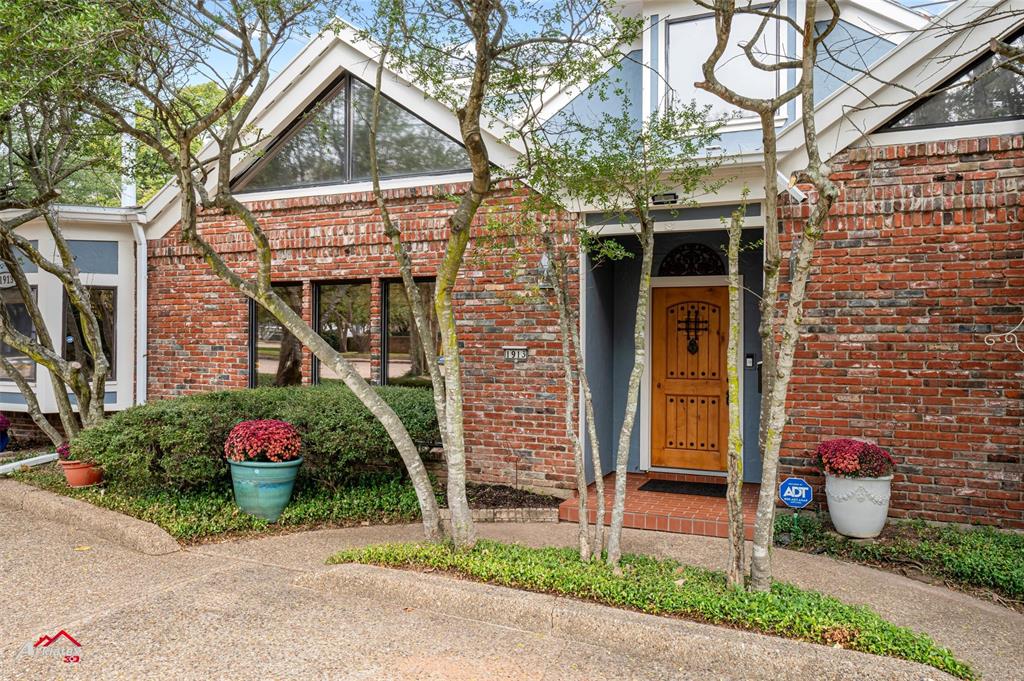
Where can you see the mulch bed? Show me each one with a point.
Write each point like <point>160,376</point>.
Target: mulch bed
<point>503,496</point>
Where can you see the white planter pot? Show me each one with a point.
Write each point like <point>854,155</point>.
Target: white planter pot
<point>858,506</point>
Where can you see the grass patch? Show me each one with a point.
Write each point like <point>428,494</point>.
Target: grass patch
<point>971,559</point>
<point>197,516</point>
<point>666,587</point>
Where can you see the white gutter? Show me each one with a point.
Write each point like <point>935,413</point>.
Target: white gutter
<point>141,321</point>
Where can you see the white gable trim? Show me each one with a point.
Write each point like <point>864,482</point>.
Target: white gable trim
<point>920,63</point>
<point>884,18</point>
<point>320,62</point>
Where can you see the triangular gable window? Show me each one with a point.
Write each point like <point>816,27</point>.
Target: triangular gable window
<point>329,144</point>
<point>982,93</point>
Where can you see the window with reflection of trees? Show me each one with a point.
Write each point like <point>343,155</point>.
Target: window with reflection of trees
<point>323,148</point>
<point>343,319</point>
<point>985,92</point>
<point>276,353</point>
<point>104,307</point>
<point>18,318</point>
<point>404,360</point>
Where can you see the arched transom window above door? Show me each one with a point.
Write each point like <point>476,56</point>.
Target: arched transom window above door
<point>691,260</point>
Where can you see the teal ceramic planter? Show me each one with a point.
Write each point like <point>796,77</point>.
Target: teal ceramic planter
<point>263,489</point>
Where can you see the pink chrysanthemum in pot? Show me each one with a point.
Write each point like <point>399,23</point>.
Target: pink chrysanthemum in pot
<point>263,440</point>
<point>854,459</point>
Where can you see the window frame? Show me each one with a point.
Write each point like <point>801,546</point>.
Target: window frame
<point>315,285</point>
<point>66,304</point>
<point>340,86</point>
<point>34,288</point>
<point>747,116</point>
<point>385,314</point>
<point>889,127</point>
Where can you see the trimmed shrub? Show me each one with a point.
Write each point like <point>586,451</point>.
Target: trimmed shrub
<point>178,444</point>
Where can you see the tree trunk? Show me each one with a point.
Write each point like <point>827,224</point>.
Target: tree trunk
<point>463,533</point>
<point>633,388</point>
<point>764,524</point>
<point>557,278</point>
<point>734,494</point>
<point>597,545</point>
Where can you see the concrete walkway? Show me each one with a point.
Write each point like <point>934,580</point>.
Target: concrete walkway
<point>247,610</point>
<point>988,636</point>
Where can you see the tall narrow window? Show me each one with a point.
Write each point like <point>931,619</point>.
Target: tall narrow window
<point>276,354</point>
<point>696,36</point>
<point>104,307</point>
<point>17,314</point>
<point>343,319</point>
<point>329,144</point>
<point>982,93</point>
<point>404,360</point>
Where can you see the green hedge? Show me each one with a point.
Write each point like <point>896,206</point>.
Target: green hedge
<point>178,444</point>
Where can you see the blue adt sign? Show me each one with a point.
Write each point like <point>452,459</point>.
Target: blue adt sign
<point>795,492</point>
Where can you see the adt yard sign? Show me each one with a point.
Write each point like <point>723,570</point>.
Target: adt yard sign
<point>795,492</point>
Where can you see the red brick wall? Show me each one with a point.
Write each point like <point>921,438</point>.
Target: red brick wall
<point>198,325</point>
<point>923,257</point>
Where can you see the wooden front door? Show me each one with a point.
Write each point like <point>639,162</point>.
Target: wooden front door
<point>689,413</point>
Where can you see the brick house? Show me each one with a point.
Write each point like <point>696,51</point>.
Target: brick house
<point>917,287</point>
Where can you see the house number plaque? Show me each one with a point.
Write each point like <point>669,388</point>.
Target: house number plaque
<point>515,352</point>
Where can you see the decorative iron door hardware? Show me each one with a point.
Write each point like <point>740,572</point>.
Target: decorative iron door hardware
<point>692,325</point>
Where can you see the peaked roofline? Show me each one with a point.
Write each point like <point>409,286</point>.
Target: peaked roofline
<point>322,60</point>
<point>950,42</point>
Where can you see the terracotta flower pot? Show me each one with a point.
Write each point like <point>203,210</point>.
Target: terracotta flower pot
<point>81,473</point>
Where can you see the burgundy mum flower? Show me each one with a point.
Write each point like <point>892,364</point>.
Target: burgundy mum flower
<point>5,422</point>
<point>263,440</point>
<point>854,459</point>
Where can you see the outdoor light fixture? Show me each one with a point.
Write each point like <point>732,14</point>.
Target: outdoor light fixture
<point>667,199</point>
<point>789,184</point>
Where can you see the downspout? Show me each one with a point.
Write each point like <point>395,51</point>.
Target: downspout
<point>129,199</point>
<point>141,320</point>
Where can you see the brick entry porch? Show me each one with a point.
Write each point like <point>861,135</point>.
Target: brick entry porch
<point>668,512</point>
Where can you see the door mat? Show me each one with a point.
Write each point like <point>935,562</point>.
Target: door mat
<point>700,489</point>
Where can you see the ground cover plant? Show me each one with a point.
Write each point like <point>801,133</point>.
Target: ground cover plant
<point>194,516</point>
<point>982,560</point>
<point>210,514</point>
<point>666,587</point>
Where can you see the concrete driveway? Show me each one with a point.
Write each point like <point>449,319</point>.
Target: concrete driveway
<point>246,610</point>
<point>193,615</point>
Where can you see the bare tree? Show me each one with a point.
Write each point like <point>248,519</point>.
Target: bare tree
<point>777,356</point>
<point>43,140</point>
